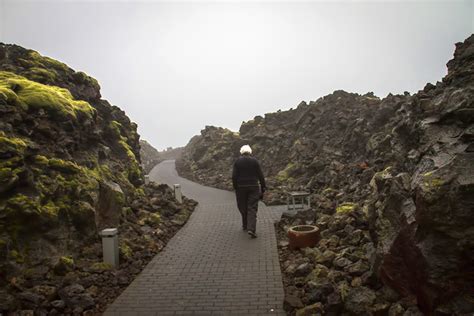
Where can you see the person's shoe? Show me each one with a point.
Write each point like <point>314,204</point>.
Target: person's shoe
<point>244,228</point>
<point>252,234</point>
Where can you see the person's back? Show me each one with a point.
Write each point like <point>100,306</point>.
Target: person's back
<point>246,176</point>
<point>247,172</point>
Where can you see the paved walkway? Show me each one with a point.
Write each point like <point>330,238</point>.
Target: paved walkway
<point>210,267</point>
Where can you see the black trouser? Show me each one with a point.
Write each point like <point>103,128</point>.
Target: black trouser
<point>247,202</point>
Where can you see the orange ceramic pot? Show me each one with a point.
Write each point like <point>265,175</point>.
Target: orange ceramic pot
<point>303,236</point>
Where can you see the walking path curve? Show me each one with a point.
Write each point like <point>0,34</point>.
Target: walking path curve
<point>210,267</point>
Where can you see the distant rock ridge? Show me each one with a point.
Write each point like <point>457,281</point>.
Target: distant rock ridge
<point>69,167</point>
<point>151,156</point>
<point>404,162</point>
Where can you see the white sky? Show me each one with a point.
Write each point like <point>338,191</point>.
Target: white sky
<point>175,67</point>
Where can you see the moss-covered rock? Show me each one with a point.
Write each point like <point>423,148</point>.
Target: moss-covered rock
<point>346,207</point>
<point>28,94</point>
<point>64,265</point>
<point>101,266</point>
<point>69,166</point>
<point>125,251</point>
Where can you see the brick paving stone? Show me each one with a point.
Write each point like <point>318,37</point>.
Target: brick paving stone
<point>210,267</point>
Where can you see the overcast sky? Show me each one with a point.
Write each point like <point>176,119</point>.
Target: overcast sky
<point>176,67</point>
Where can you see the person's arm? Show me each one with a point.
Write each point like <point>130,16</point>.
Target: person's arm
<point>235,174</point>
<point>261,178</point>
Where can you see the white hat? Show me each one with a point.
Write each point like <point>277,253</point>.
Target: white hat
<point>245,149</point>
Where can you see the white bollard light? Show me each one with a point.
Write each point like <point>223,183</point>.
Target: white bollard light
<point>147,179</point>
<point>177,193</point>
<point>110,247</point>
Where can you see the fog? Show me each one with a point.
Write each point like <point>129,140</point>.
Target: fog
<point>175,67</point>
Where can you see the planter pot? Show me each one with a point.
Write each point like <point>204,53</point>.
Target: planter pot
<point>303,236</point>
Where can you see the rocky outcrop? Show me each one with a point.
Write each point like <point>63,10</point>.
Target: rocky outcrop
<point>421,218</point>
<point>151,156</point>
<point>405,161</point>
<point>208,158</point>
<point>69,167</point>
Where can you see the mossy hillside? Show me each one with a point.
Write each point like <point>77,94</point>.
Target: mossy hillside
<point>51,171</point>
<point>11,145</point>
<point>12,151</point>
<point>48,68</point>
<point>27,94</point>
<point>133,173</point>
<point>32,65</point>
<point>41,75</point>
<point>63,191</point>
<point>35,59</point>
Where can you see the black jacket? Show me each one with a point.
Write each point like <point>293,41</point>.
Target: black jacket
<point>247,172</point>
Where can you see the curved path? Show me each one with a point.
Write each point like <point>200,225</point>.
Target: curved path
<point>210,267</point>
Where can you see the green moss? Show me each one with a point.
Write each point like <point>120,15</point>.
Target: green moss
<point>64,165</point>
<point>115,127</point>
<point>29,94</point>
<point>431,181</point>
<point>344,290</point>
<point>101,266</point>
<point>64,265</point>
<point>87,80</point>
<point>46,62</point>
<point>12,145</point>
<point>153,219</point>
<point>127,211</point>
<point>101,172</point>
<point>125,251</point>
<point>50,209</point>
<point>41,160</point>
<point>7,173</point>
<point>140,192</point>
<point>13,163</point>
<point>329,192</point>
<point>386,172</point>
<point>18,257</point>
<point>133,172</point>
<point>127,149</point>
<point>23,204</point>
<point>284,175</point>
<point>19,208</point>
<point>41,75</point>
<point>346,207</point>
<point>7,96</point>
<point>67,261</point>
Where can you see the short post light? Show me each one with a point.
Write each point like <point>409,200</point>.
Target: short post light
<point>147,179</point>
<point>110,247</point>
<point>177,193</point>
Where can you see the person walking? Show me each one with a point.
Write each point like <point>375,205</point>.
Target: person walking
<point>246,176</point>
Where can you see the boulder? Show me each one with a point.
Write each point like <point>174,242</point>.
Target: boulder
<point>359,300</point>
<point>74,297</point>
<point>311,310</point>
<point>111,201</point>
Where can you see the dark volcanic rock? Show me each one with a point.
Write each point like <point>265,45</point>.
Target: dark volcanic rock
<point>359,300</point>
<point>70,166</point>
<point>151,157</point>
<point>208,158</point>
<point>422,221</point>
<point>392,186</point>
